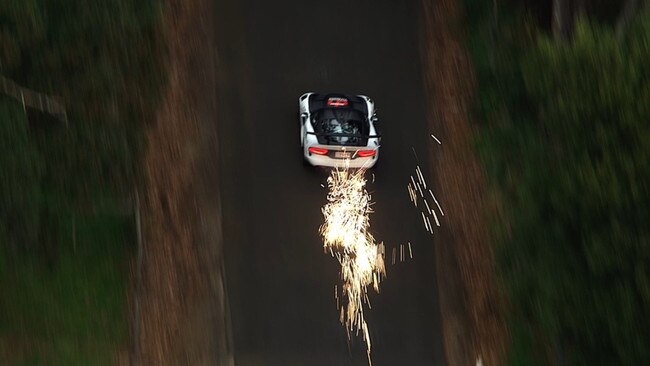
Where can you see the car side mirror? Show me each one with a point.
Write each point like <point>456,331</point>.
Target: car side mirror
<point>303,117</point>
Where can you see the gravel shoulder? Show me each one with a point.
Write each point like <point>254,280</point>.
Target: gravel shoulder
<point>183,317</point>
<point>470,299</point>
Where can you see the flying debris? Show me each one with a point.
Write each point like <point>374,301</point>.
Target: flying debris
<point>414,153</point>
<point>428,208</point>
<point>412,195</point>
<point>429,225</point>
<point>420,176</point>
<point>435,217</point>
<point>420,190</point>
<point>346,234</point>
<point>418,185</point>
<point>437,204</point>
<point>336,295</point>
<point>435,138</point>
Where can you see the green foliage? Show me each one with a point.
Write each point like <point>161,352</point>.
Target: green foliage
<point>523,350</point>
<point>22,166</point>
<point>63,299</point>
<point>565,140</point>
<point>74,307</point>
<point>103,58</point>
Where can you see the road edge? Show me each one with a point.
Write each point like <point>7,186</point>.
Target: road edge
<point>470,299</point>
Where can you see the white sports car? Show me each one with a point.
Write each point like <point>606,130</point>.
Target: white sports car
<point>339,130</point>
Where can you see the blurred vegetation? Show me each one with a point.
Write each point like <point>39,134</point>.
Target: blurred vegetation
<point>104,59</point>
<point>70,311</point>
<point>22,167</point>
<point>565,140</point>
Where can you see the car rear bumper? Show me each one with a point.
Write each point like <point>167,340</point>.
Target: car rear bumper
<point>358,162</point>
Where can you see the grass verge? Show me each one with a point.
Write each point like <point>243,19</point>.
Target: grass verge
<point>70,311</point>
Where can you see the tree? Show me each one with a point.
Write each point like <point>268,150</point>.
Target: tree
<point>103,59</point>
<point>561,19</point>
<point>578,257</point>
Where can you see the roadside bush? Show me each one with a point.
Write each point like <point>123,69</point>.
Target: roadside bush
<point>104,60</point>
<point>566,142</point>
<point>65,233</point>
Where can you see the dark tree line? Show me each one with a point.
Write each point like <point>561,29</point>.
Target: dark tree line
<point>560,16</point>
<point>565,140</point>
<point>103,60</point>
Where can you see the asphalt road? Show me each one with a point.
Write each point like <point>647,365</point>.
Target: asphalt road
<point>280,282</point>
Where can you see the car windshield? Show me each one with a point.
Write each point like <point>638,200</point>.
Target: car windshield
<point>341,127</point>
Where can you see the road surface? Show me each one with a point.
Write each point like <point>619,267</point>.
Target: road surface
<point>280,282</point>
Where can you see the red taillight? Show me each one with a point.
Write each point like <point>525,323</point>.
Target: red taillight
<point>318,151</point>
<point>366,153</point>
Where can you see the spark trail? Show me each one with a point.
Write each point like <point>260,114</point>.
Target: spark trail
<point>346,235</point>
